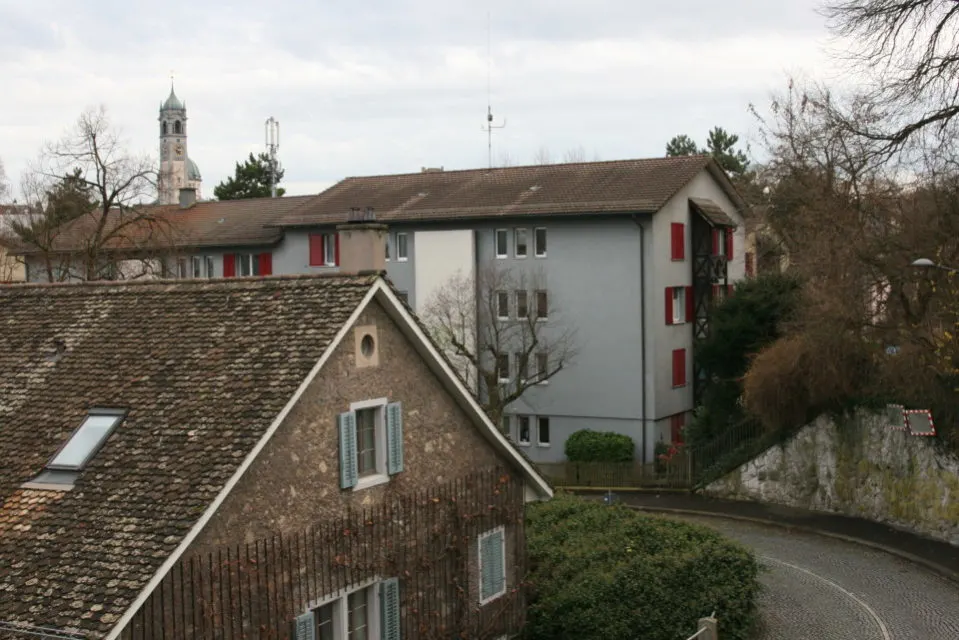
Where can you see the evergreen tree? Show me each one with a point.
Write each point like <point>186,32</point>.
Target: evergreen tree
<point>250,180</point>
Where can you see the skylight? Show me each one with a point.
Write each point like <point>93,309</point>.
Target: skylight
<point>86,440</point>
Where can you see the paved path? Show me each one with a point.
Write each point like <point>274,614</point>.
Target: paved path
<point>819,588</point>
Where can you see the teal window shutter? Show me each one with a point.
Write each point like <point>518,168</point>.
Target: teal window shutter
<point>305,627</point>
<point>390,609</point>
<point>348,465</point>
<point>394,437</point>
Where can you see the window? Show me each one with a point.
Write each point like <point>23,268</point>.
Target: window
<point>539,242</point>
<point>181,270</point>
<point>521,248</point>
<point>247,264</point>
<point>208,262</point>
<point>675,305</point>
<point>723,242</point>
<point>542,366</point>
<point>522,367</point>
<point>386,248</point>
<point>366,441</point>
<point>86,440</point>
<point>502,305</point>
<point>502,367</point>
<point>196,263</point>
<point>502,251</point>
<point>679,368</point>
<point>371,443</point>
<point>522,304</point>
<point>542,306</point>
<point>163,129</point>
<point>402,250</point>
<point>542,431</point>
<point>677,236</point>
<point>367,613</point>
<point>324,250</point>
<point>177,127</point>
<point>676,425</point>
<point>492,565</point>
<point>523,430</point>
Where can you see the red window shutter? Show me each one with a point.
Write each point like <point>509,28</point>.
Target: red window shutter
<point>690,305</point>
<point>229,265</point>
<point>730,236</point>
<point>316,249</point>
<point>336,249</point>
<point>676,424</point>
<point>669,305</point>
<point>679,367</point>
<point>677,231</point>
<point>266,264</point>
<point>715,242</point>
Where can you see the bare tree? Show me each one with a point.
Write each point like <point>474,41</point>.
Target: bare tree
<point>911,47</point>
<point>89,196</point>
<point>502,333</point>
<point>4,186</point>
<point>576,154</point>
<point>543,156</point>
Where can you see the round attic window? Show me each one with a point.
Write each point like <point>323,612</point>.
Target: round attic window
<point>367,346</point>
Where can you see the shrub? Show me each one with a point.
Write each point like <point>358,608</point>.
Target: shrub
<point>610,573</point>
<point>587,445</point>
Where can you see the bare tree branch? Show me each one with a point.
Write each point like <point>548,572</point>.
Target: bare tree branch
<point>502,331</point>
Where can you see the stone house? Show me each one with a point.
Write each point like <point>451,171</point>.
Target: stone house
<point>254,457</point>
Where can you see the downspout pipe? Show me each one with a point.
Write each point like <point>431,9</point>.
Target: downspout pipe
<point>642,320</point>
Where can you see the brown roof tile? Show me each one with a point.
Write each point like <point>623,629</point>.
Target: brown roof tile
<point>213,223</point>
<point>712,212</point>
<point>622,186</point>
<point>204,367</point>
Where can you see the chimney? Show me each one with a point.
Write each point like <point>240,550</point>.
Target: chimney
<point>187,197</point>
<point>362,243</point>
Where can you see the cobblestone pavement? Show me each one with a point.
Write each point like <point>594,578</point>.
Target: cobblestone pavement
<point>818,588</point>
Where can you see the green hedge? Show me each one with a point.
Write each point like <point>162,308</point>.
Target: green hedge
<point>611,573</point>
<point>587,445</point>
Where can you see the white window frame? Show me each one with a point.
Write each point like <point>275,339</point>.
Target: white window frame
<point>329,249</point>
<point>499,369</point>
<point>114,416</point>
<point>539,442</point>
<point>679,305</point>
<point>479,564</point>
<point>196,266</point>
<point>404,255</point>
<point>381,476</point>
<point>182,268</point>
<point>539,370</point>
<point>536,247</point>
<point>536,293</point>
<point>516,233</point>
<point>252,262</point>
<point>502,314</point>
<point>208,266</point>
<point>518,360</point>
<point>519,431</point>
<point>518,316</point>
<point>496,247</point>
<point>341,613</point>
<point>721,236</point>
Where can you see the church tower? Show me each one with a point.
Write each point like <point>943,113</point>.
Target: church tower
<point>177,171</point>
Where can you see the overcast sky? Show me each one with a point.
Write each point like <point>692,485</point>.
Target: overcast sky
<point>387,87</point>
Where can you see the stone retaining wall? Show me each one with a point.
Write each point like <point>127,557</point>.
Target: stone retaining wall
<point>860,468</point>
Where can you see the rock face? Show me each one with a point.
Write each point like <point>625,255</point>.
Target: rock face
<point>860,467</point>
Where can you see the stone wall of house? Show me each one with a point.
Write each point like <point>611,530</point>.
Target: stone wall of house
<point>861,468</point>
<point>295,480</point>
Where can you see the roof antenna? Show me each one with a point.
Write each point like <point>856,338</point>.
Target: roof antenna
<point>272,144</point>
<point>489,126</point>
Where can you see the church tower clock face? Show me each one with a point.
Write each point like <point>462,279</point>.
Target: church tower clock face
<point>178,149</point>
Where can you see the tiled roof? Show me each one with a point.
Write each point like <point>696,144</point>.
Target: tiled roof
<point>712,212</point>
<point>622,186</point>
<point>204,367</point>
<point>214,223</point>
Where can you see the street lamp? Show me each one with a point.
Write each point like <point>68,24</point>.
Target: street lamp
<point>926,263</point>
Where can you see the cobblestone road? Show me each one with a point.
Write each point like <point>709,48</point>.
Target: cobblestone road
<point>818,588</point>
